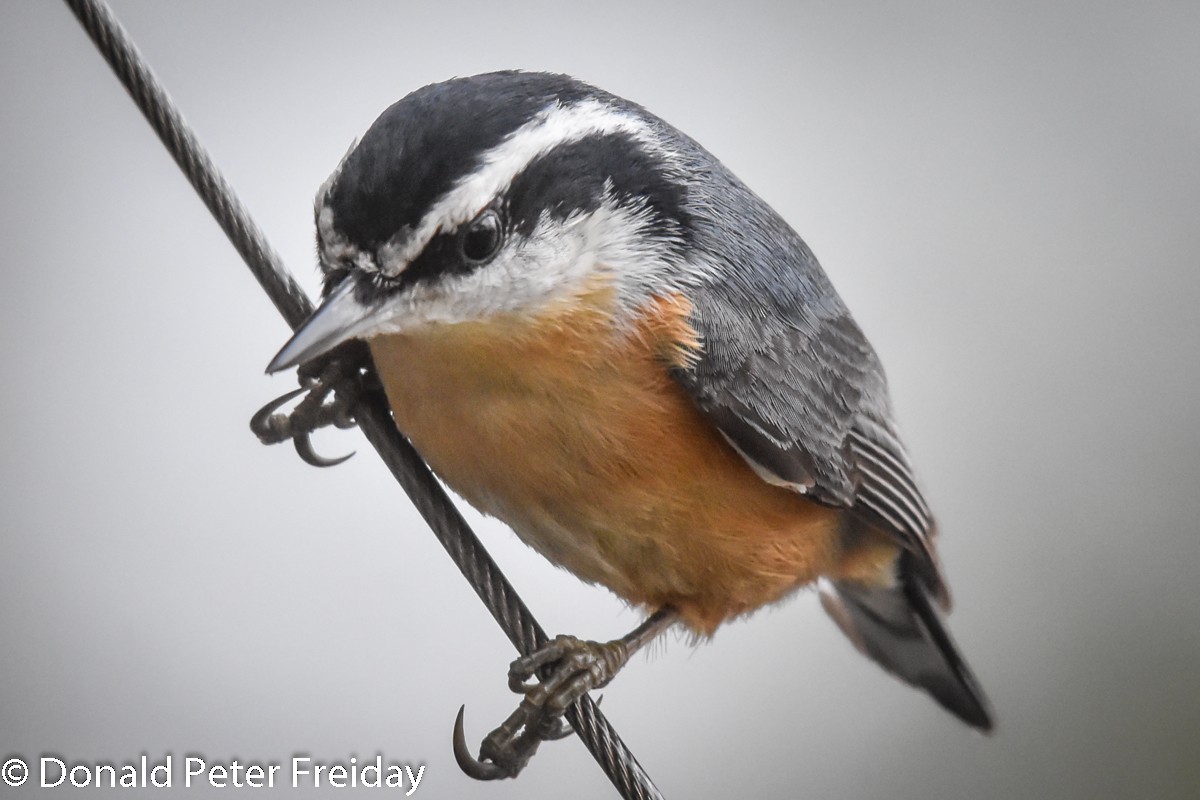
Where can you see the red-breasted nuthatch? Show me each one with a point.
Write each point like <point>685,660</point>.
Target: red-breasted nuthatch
<point>595,332</point>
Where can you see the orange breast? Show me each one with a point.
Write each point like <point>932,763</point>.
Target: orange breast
<point>574,433</point>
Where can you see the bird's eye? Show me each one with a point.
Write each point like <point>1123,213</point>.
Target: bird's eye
<point>480,240</point>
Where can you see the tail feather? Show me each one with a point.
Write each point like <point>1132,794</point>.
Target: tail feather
<point>899,628</point>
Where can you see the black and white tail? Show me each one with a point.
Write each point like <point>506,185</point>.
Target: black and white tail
<point>899,628</point>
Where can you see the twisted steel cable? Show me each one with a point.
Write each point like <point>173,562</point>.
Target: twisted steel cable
<point>372,414</point>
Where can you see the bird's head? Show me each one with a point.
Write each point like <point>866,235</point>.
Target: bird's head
<point>497,194</point>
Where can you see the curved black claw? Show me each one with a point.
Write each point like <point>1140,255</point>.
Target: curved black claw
<point>473,767</point>
<point>305,450</point>
<point>331,386</point>
<point>260,423</point>
<point>551,679</point>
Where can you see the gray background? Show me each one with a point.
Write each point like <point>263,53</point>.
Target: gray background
<point>1007,195</point>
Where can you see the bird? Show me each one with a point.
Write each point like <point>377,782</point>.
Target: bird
<point>592,330</point>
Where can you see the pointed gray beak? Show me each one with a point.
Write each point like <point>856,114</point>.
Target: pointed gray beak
<point>340,318</point>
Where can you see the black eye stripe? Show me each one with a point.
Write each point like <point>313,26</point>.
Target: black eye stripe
<point>445,254</point>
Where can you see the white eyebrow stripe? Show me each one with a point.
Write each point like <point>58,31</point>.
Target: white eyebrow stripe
<point>554,126</point>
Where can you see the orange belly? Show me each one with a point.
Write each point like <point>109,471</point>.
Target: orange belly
<point>575,435</point>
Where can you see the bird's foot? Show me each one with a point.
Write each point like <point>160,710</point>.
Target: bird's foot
<point>331,386</point>
<point>566,669</point>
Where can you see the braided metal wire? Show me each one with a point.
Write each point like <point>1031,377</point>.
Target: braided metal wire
<point>372,414</point>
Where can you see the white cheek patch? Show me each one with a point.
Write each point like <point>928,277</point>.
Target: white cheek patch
<point>558,261</point>
<point>524,276</point>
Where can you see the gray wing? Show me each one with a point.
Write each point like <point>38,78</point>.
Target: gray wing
<point>803,399</point>
<point>788,378</point>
